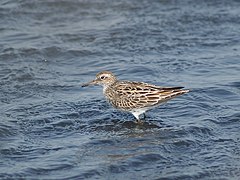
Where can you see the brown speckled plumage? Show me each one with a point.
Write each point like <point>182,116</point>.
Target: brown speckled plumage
<point>135,97</point>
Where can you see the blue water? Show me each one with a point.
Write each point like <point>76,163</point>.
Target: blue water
<point>51,128</point>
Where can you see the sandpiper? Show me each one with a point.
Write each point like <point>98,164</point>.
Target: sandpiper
<point>134,97</point>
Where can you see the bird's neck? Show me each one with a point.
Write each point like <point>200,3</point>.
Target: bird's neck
<point>106,86</point>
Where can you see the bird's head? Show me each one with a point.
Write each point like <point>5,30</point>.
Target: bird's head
<point>104,78</point>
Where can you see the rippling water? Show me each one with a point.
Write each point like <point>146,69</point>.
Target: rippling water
<point>51,128</point>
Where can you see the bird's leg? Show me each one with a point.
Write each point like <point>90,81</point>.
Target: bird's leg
<point>139,122</point>
<point>144,116</point>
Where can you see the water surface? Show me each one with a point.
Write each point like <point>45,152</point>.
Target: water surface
<point>51,128</point>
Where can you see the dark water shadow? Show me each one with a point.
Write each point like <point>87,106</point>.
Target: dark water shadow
<point>107,125</point>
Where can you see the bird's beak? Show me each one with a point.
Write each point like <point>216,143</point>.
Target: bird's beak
<point>93,82</point>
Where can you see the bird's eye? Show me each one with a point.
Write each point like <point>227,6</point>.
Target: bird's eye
<point>102,77</point>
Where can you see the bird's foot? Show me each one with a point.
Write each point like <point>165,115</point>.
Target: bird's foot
<point>139,122</point>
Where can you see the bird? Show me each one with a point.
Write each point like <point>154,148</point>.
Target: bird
<point>131,96</point>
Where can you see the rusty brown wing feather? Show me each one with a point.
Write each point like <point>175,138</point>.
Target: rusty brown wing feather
<point>139,95</point>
